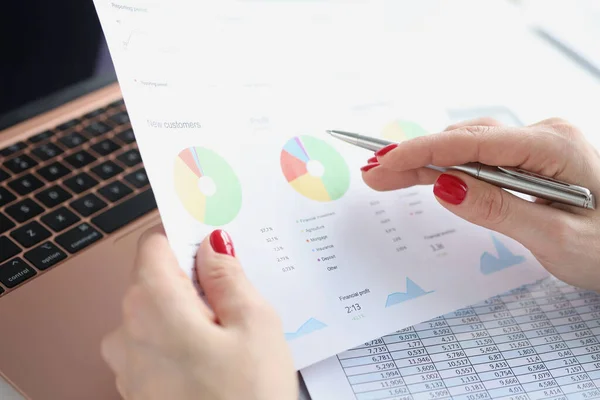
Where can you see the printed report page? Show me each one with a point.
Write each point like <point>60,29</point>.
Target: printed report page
<point>230,102</point>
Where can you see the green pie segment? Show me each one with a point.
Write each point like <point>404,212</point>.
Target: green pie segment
<point>336,177</point>
<point>296,157</point>
<point>223,203</point>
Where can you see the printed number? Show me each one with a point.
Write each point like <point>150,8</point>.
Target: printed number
<point>352,308</point>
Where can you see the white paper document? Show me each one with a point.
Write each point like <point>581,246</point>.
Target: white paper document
<point>230,100</point>
<point>539,341</point>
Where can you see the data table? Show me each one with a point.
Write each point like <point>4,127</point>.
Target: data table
<point>536,342</point>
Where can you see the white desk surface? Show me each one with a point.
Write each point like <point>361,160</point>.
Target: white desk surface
<point>476,57</point>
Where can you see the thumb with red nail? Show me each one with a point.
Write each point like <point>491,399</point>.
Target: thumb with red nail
<point>173,345</point>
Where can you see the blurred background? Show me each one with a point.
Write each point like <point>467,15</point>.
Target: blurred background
<point>47,45</point>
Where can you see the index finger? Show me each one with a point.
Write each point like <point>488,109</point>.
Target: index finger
<point>525,147</point>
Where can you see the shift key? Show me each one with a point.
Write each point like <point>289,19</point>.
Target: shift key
<point>78,238</point>
<point>15,272</point>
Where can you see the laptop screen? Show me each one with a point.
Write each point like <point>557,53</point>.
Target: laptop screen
<point>52,45</point>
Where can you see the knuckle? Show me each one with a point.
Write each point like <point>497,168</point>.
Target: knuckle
<point>483,121</point>
<point>553,121</point>
<point>489,121</point>
<point>476,130</point>
<point>492,207</point>
<point>568,131</point>
<point>562,127</point>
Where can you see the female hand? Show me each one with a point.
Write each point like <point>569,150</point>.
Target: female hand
<point>171,345</point>
<point>565,239</point>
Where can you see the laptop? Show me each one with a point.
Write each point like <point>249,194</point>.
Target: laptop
<point>74,200</point>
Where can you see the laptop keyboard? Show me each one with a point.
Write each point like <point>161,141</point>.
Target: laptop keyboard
<point>66,188</point>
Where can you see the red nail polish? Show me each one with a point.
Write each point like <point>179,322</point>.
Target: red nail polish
<point>221,243</point>
<point>372,160</point>
<point>450,189</point>
<point>369,167</point>
<point>386,149</point>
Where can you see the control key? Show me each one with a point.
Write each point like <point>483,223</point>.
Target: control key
<point>15,272</point>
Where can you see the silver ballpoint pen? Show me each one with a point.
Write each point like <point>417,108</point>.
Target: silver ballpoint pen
<point>510,178</point>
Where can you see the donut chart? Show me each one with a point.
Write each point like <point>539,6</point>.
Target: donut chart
<point>401,130</point>
<point>314,169</point>
<point>207,186</point>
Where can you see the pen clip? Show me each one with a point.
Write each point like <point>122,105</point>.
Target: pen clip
<point>543,180</point>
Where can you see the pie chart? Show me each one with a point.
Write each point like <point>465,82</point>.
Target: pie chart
<point>207,186</point>
<point>400,130</point>
<point>314,169</point>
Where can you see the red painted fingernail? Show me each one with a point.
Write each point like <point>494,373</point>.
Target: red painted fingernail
<point>369,167</point>
<point>221,243</point>
<point>372,160</point>
<point>450,189</point>
<point>386,149</point>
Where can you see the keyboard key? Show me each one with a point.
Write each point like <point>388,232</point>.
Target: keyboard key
<point>20,164</point>
<point>6,197</point>
<point>78,238</point>
<point>12,149</point>
<point>130,158</point>
<point>127,136</point>
<point>88,205</point>
<point>96,129</point>
<point>107,170</point>
<point>24,210</point>
<point>30,234</point>
<point>139,179</point>
<point>5,223</point>
<point>8,249</point>
<point>45,256</point>
<point>53,171</point>
<point>105,147</point>
<point>47,151</point>
<point>126,212</point>
<point>53,196</point>
<point>60,219</point>
<point>115,191</point>
<point>25,184</point>
<point>120,118</point>
<point>80,183</point>
<point>69,124</point>
<point>80,159</point>
<point>15,272</point>
<point>95,113</point>
<point>73,140</point>
<point>40,137</point>
<point>4,175</point>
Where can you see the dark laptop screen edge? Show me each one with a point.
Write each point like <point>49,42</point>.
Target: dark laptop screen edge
<point>55,100</point>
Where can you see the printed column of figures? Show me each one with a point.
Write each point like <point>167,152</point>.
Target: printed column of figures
<point>281,258</point>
